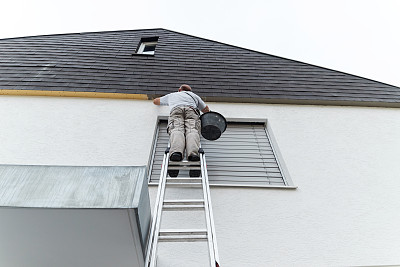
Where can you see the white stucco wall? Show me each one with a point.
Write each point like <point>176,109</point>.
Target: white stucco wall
<point>75,131</point>
<point>344,161</point>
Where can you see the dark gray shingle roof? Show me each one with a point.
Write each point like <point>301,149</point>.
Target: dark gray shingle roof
<point>105,62</point>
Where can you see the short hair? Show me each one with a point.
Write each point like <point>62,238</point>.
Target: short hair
<point>186,87</point>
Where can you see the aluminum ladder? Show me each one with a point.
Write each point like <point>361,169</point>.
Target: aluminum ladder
<point>163,205</point>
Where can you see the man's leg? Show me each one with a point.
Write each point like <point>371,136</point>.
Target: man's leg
<point>176,133</point>
<point>192,130</point>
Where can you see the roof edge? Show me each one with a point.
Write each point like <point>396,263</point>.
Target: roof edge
<point>77,33</point>
<point>279,57</point>
<point>72,94</point>
<point>205,98</point>
<point>303,102</point>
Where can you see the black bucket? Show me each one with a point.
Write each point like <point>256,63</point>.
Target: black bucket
<point>213,125</point>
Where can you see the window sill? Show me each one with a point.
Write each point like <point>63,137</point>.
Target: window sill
<point>244,186</point>
<point>143,55</point>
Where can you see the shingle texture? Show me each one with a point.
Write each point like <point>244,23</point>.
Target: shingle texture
<point>106,62</point>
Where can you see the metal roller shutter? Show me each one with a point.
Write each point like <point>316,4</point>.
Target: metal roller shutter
<point>243,155</point>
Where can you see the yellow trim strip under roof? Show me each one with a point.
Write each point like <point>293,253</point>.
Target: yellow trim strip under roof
<point>73,94</point>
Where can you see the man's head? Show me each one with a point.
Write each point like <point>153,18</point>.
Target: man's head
<point>185,87</point>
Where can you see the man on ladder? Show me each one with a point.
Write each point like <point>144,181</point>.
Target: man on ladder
<point>184,131</point>
<point>183,125</point>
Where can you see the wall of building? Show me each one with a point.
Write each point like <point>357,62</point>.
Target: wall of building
<point>344,161</point>
<point>75,131</point>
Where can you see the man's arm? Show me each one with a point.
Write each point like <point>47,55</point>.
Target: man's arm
<point>205,110</point>
<point>156,101</point>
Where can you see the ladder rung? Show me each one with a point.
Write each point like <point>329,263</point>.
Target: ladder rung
<point>183,201</point>
<point>182,238</point>
<point>183,235</point>
<point>184,163</point>
<point>183,204</point>
<point>185,184</point>
<point>182,207</point>
<point>183,180</point>
<point>177,167</point>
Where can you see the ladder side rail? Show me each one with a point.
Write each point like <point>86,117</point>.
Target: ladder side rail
<point>207,213</point>
<point>156,220</point>
<point>153,259</point>
<point>153,153</point>
<point>209,208</point>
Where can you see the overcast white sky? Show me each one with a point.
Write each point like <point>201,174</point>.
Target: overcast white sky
<point>360,37</point>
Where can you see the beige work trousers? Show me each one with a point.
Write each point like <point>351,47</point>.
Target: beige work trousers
<point>184,128</point>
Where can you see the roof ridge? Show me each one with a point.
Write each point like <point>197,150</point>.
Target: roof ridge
<point>78,33</point>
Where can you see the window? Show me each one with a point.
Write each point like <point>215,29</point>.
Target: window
<point>147,46</point>
<point>242,156</point>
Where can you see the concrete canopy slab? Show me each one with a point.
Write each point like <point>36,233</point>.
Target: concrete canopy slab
<point>73,216</point>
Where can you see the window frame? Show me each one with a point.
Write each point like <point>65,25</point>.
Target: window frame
<point>143,46</point>
<point>268,131</point>
<point>147,41</point>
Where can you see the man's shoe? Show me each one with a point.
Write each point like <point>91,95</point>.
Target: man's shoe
<point>176,156</point>
<point>173,173</point>
<point>194,157</point>
<point>194,173</point>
